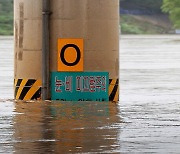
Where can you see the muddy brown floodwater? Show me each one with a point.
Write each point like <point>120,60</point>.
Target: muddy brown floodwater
<point>146,120</point>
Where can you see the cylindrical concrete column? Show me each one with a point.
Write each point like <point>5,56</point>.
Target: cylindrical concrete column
<point>94,21</point>
<point>28,49</point>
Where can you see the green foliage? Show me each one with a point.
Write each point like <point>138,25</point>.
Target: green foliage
<point>6,17</point>
<point>130,29</point>
<point>128,24</point>
<point>131,25</point>
<point>173,8</point>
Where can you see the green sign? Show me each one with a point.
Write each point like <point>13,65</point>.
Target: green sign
<point>79,86</point>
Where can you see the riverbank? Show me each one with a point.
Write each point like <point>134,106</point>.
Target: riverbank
<point>146,24</point>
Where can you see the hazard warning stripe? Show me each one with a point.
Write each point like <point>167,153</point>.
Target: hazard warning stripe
<point>31,89</point>
<point>21,87</point>
<point>35,88</point>
<point>17,83</point>
<point>113,90</point>
<point>27,89</point>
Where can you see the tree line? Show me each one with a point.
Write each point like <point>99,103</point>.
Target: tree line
<point>6,17</point>
<point>171,7</point>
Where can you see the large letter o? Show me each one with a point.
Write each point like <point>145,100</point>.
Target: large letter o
<point>63,52</point>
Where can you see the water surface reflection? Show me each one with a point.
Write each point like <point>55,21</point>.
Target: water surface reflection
<point>66,127</point>
<point>149,107</point>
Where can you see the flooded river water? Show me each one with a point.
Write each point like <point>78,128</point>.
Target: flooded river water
<point>146,120</point>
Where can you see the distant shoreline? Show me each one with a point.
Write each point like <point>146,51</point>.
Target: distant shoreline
<point>146,24</point>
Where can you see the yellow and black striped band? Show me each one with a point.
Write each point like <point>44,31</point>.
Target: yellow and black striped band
<point>114,90</point>
<point>27,89</point>
<point>30,89</point>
